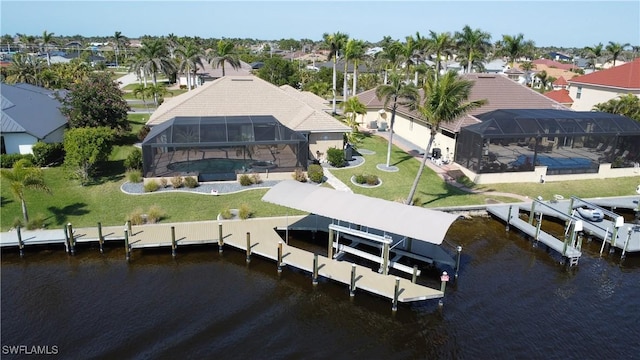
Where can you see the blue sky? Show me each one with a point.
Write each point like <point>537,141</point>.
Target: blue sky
<point>559,23</point>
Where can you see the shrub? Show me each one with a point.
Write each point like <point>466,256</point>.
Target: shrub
<point>372,179</point>
<point>136,217</point>
<point>176,181</point>
<point>7,160</point>
<point>255,178</point>
<point>299,175</point>
<point>359,178</point>
<point>143,132</point>
<point>245,180</point>
<point>155,214</point>
<point>244,212</point>
<point>134,176</point>
<point>36,222</point>
<point>45,154</point>
<point>164,182</point>
<point>316,173</point>
<point>151,186</point>
<point>190,182</point>
<point>134,160</point>
<point>335,157</point>
<point>226,213</point>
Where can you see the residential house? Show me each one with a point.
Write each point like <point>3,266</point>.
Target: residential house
<point>210,73</point>
<point>244,103</point>
<point>604,85</point>
<point>560,83</point>
<point>29,114</point>
<point>497,89</point>
<point>561,96</point>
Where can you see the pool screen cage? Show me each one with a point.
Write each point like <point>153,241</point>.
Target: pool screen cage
<point>567,142</point>
<point>220,147</point>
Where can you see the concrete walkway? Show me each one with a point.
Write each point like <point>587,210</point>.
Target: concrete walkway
<point>335,182</point>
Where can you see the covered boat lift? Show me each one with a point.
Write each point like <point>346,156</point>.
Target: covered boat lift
<point>387,225</point>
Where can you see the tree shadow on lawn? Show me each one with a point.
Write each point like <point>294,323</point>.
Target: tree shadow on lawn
<point>450,191</point>
<point>109,171</point>
<point>60,215</point>
<point>5,201</point>
<point>404,157</point>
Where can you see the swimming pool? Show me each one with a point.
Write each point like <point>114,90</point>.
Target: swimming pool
<point>211,166</point>
<point>554,163</point>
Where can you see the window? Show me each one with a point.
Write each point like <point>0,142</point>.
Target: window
<point>579,93</point>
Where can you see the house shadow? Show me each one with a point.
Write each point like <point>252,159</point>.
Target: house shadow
<point>110,171</point>
<point>61,215</point>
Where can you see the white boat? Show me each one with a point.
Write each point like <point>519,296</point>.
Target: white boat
<point>590,214</point>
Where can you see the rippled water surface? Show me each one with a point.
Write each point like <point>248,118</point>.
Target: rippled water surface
<point>512,300</point>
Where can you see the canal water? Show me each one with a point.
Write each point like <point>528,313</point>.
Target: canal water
<point>512,300</point>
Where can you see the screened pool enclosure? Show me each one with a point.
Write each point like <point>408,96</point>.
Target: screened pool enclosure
<point>220,147</point>
<point>566,142</point>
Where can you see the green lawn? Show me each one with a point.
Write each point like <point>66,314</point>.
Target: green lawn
<point>104,202</point>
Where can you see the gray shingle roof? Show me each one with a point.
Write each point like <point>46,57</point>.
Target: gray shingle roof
<point>249,95</point>
<point>30,109</point>
<point>500,92</point>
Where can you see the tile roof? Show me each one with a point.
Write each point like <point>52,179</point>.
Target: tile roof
<point>500,92</point>
<point>554,64</point>
<point>250,95</point>
<point>30,109</point>
<point>626,76</point>
<point>561,96</point>
<point>560,81</point>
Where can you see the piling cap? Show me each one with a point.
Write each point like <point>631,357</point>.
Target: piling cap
<point>444,273</point>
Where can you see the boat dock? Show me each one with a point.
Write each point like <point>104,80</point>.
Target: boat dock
<point>612,230</point>
<point>256,236</point>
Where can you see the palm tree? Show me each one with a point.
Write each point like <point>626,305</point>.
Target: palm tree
<point>118,41</point>
<point>21,69</point>
<point>352,108</point>
<point>514,47</point>
<point>615,49</point>
<point>356,53</point>
<point>546,81</point>
<point>440,44</point>
<point>593,53</point>
<point>335,42</point>
<point>190,58</point>
<point>627,105</point>
<point>23,175</point>
<point>27,41</point>
<point>225,54</point>
<point>472,44</point>
<point>528,67</point>
<point>151,59</point>
<point>410,53</point>
<point>445,99</point>
<point>141,91</point>
<point>47,41</point>
<point>398,92</point>
<point>390,57</point>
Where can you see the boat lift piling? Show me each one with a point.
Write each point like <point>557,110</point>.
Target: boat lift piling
<point>220,238</point>
<point>72,241</point>
<point>314,278</point>
<point>352,286</point>
<point>174,245</point>
<point>100,238</point>
<point>20,242</point>
<point>248,247</point>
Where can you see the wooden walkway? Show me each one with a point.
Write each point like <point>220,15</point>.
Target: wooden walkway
<point>264,242</point>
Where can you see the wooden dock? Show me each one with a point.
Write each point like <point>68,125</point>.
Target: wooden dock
<point>263,239</point>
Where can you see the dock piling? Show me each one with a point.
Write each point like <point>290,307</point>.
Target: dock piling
<point>314,279</point>
<point>352,287</point>
<point>532,212</point>
<point>20,242</point>
<point>72,241</point>
<point>220,239</point>
<point>100,238</point>
<point>624,250</point>
<point>385,257</point>
<point>174,245</point>
<point>414,278</point>
<point>396,294</point>
<point>459,250</point>
<point>127,249</point>
<point>129,226</point>
<point>443,281</point>
<point>248,247</point>
<point>279,257</point>
<point>509,216</point>
<point>66,239</point>
<point>604,241</point>
<point>330,249</point>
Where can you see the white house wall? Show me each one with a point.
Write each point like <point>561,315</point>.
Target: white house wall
<point>592,95</point>
<point>321,142</point>
<point>19,143</point>
<point>415,132</point>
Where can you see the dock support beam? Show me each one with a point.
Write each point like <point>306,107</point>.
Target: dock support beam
<point>396,294</point>
<point>248,247</point>
<point>127,248</point>
<point>314,278</point>
<point>279,257</point>
<point>604,241</point>
<point>100,238</point>
<point>624,250</point>
<point>20,242</point>
<point>220,239</point>
<point>538,226</point>
<point>352,287</point>
<point>173,241</point>
<point>72,241</point>
<point>459,250</point>
<point>330,249</point>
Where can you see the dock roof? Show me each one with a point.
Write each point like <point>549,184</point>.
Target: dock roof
<point>392,217</point>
